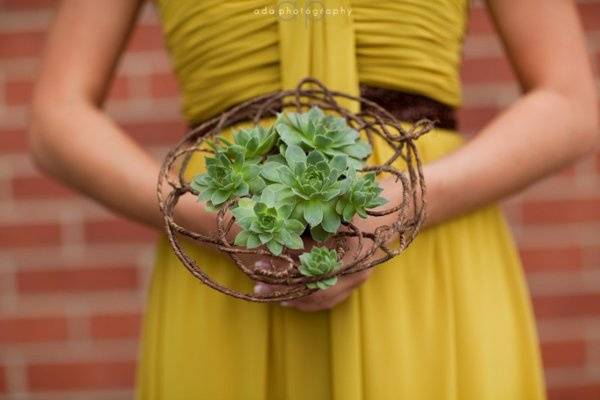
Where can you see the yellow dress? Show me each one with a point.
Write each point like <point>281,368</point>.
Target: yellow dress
<point>449,318</point>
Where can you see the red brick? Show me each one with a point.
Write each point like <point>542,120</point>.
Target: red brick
<point>473,119</point>
<point>119,88</point>
<point>81,375</point>
<point>21,44</point>
<point>115,326</point>
<point>35,234</point>
<point>486,70</point>
<point>567,306</point>
<point>591,256</point>
<point>13,141</point>
<point>39,187</point>
<point>3,388</point>
<point>43,329</point>
<point>146,37</point>
<point>156,133</point>
<point>563,354</point>
<point>84,279</point>
<point>164,85</point>
<point>589,12</point>
<point>479,21</point>
<point>551,258</point>
<point>8,5</point>
<point>583,392</point>
<point>18,92</point>
<point>116,230</point>
<point>561,211</point>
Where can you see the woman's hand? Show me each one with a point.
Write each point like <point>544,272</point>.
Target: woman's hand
<point>327,298</point>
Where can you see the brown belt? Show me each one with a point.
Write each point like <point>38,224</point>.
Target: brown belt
<point>411,107</point>
<point>406,106</point>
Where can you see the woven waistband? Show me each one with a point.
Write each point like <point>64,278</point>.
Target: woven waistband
<point>409,107</point>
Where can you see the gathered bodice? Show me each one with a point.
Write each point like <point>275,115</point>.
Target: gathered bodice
<point>224,52</point>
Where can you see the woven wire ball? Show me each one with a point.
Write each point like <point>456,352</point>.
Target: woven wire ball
<point>369,249</point>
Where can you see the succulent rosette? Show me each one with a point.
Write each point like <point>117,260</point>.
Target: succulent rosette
<point>363,194</point>
<point>310,183</point>
<point>266,222</point>
<point>332,136</point>
<point>256,141</point>
<point>228,175</point>
<point>319,261</point>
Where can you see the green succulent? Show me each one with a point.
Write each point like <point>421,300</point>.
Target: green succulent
<point>257,141</point>
<point>319,261</point>
<point>332,136</point>
<point>228,175</point>
<point>363,194</point>
<point>310,184</point>
<point>265,222</point>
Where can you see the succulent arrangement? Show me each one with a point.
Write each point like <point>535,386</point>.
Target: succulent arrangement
<point>301,176</point>
<point>295,190</point>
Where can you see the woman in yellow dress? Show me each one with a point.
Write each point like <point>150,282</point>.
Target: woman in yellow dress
<point>448,319</point>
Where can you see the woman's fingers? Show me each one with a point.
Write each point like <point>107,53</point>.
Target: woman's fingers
<point>321,299</point>
<point>324,304</point>
<point>328,298</point>
<point>260,287</point>
<point>344,284</point>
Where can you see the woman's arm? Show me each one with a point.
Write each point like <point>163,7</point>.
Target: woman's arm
<point>71,137</point>
<point>554,123</point>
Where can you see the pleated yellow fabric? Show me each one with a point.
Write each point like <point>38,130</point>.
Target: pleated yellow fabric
<point>448,319</point>
<point>227,52</point>
<point>321,47</point>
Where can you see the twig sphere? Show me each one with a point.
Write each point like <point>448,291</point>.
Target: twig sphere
<point>372,247</point>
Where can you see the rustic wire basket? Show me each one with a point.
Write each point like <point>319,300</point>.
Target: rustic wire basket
<point>369,249</point>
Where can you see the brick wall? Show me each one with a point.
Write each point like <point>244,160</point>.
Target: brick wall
<point>72,276</point>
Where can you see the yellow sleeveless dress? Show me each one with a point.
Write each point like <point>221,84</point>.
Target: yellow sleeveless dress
<point>448,319</point>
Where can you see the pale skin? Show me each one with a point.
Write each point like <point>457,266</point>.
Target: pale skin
<point>552,124</point>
